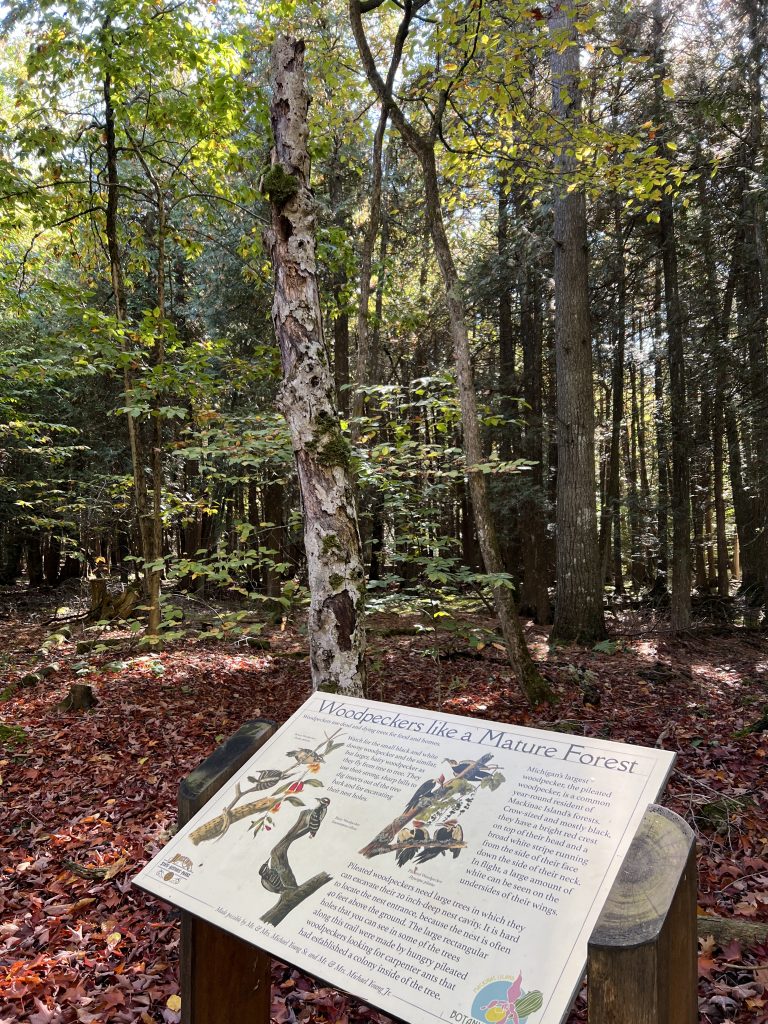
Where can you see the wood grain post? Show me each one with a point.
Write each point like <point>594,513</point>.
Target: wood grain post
<point>222,978</point>
<point>641,962</point>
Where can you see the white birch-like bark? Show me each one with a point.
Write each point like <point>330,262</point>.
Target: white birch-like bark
<point>331,535</point>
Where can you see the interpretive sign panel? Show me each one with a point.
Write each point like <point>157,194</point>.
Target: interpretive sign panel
<point>439,867</point>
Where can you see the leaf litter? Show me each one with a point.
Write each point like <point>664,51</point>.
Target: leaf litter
<point>89,797</point>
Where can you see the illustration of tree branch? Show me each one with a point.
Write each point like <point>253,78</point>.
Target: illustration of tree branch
<point>291,898</point>
<point>217,826</point>
<point>454,787</point>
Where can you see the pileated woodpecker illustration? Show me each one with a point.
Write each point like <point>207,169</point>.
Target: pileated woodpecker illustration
<point>427,788</point>
<point>475,774</point>
<point>417,833</point>
<point>449,832</point>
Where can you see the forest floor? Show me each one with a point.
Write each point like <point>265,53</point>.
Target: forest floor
<point>90,796</point>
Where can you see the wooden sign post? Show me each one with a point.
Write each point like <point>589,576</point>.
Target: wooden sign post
<point>222,977</point>
<point>641,961</point>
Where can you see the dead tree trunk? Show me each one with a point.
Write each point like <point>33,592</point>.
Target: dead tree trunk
<point>331,535</point>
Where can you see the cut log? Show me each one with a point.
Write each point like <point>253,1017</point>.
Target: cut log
<point>79,698</point>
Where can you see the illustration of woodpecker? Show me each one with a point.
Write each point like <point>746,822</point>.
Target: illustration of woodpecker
<point>449,832</point>
<point>276,873</point>
<point>428,788</point>
<point>306,756</point>
<point>475,774</point>
<point>265,779</point>
<point>316,816</point>
<point>417,833</point>
<point>277,877</point>
<point>307,823</point>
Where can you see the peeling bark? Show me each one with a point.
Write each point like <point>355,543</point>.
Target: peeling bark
<point>331,535</point>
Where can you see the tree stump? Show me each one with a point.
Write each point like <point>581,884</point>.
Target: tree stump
<point>105,606</point>
<point>80,698</point>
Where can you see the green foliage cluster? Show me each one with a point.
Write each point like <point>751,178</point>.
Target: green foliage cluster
<point>191,363</point>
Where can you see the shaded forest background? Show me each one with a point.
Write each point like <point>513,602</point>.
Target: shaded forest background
<point>543,275</point>
<point>140,423</point>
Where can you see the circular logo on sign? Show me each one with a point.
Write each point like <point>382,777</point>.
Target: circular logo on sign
<point>505,1002</point>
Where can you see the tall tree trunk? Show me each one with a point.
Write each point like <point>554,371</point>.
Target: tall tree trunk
<point>506,327</point>
<point>717,331</point>
<point>364,360</point>
<point>758,359</point>
<point>526,674</point>
<point>680,605</point>
<point>534,597</point>
<point>331,535</point>
<point>610,514</point>
<point>145,502</point>
<point>532,683</point>
<point>637,570</point>
<point>338,288</point>
<point>579,601</point>
<point>661,583</point>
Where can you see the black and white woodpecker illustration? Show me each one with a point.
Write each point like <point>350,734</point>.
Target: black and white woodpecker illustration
<point>413,833</point>
<point>276,874</point>
<point>476,773</point>
<point>428,788</point>
<point>446,834</point>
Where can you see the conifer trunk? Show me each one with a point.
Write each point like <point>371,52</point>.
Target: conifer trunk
<point>331,535</point>
<point>579,602</point>
<point>680,604</point>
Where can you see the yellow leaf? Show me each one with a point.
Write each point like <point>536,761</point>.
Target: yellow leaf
<point>173,1003</point>
<point>115,868</point>
<point>113,938</point>
<point>143,760</point>
<point>671,145</point>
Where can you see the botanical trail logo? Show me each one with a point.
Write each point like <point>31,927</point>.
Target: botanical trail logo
<point>502,1001</point>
